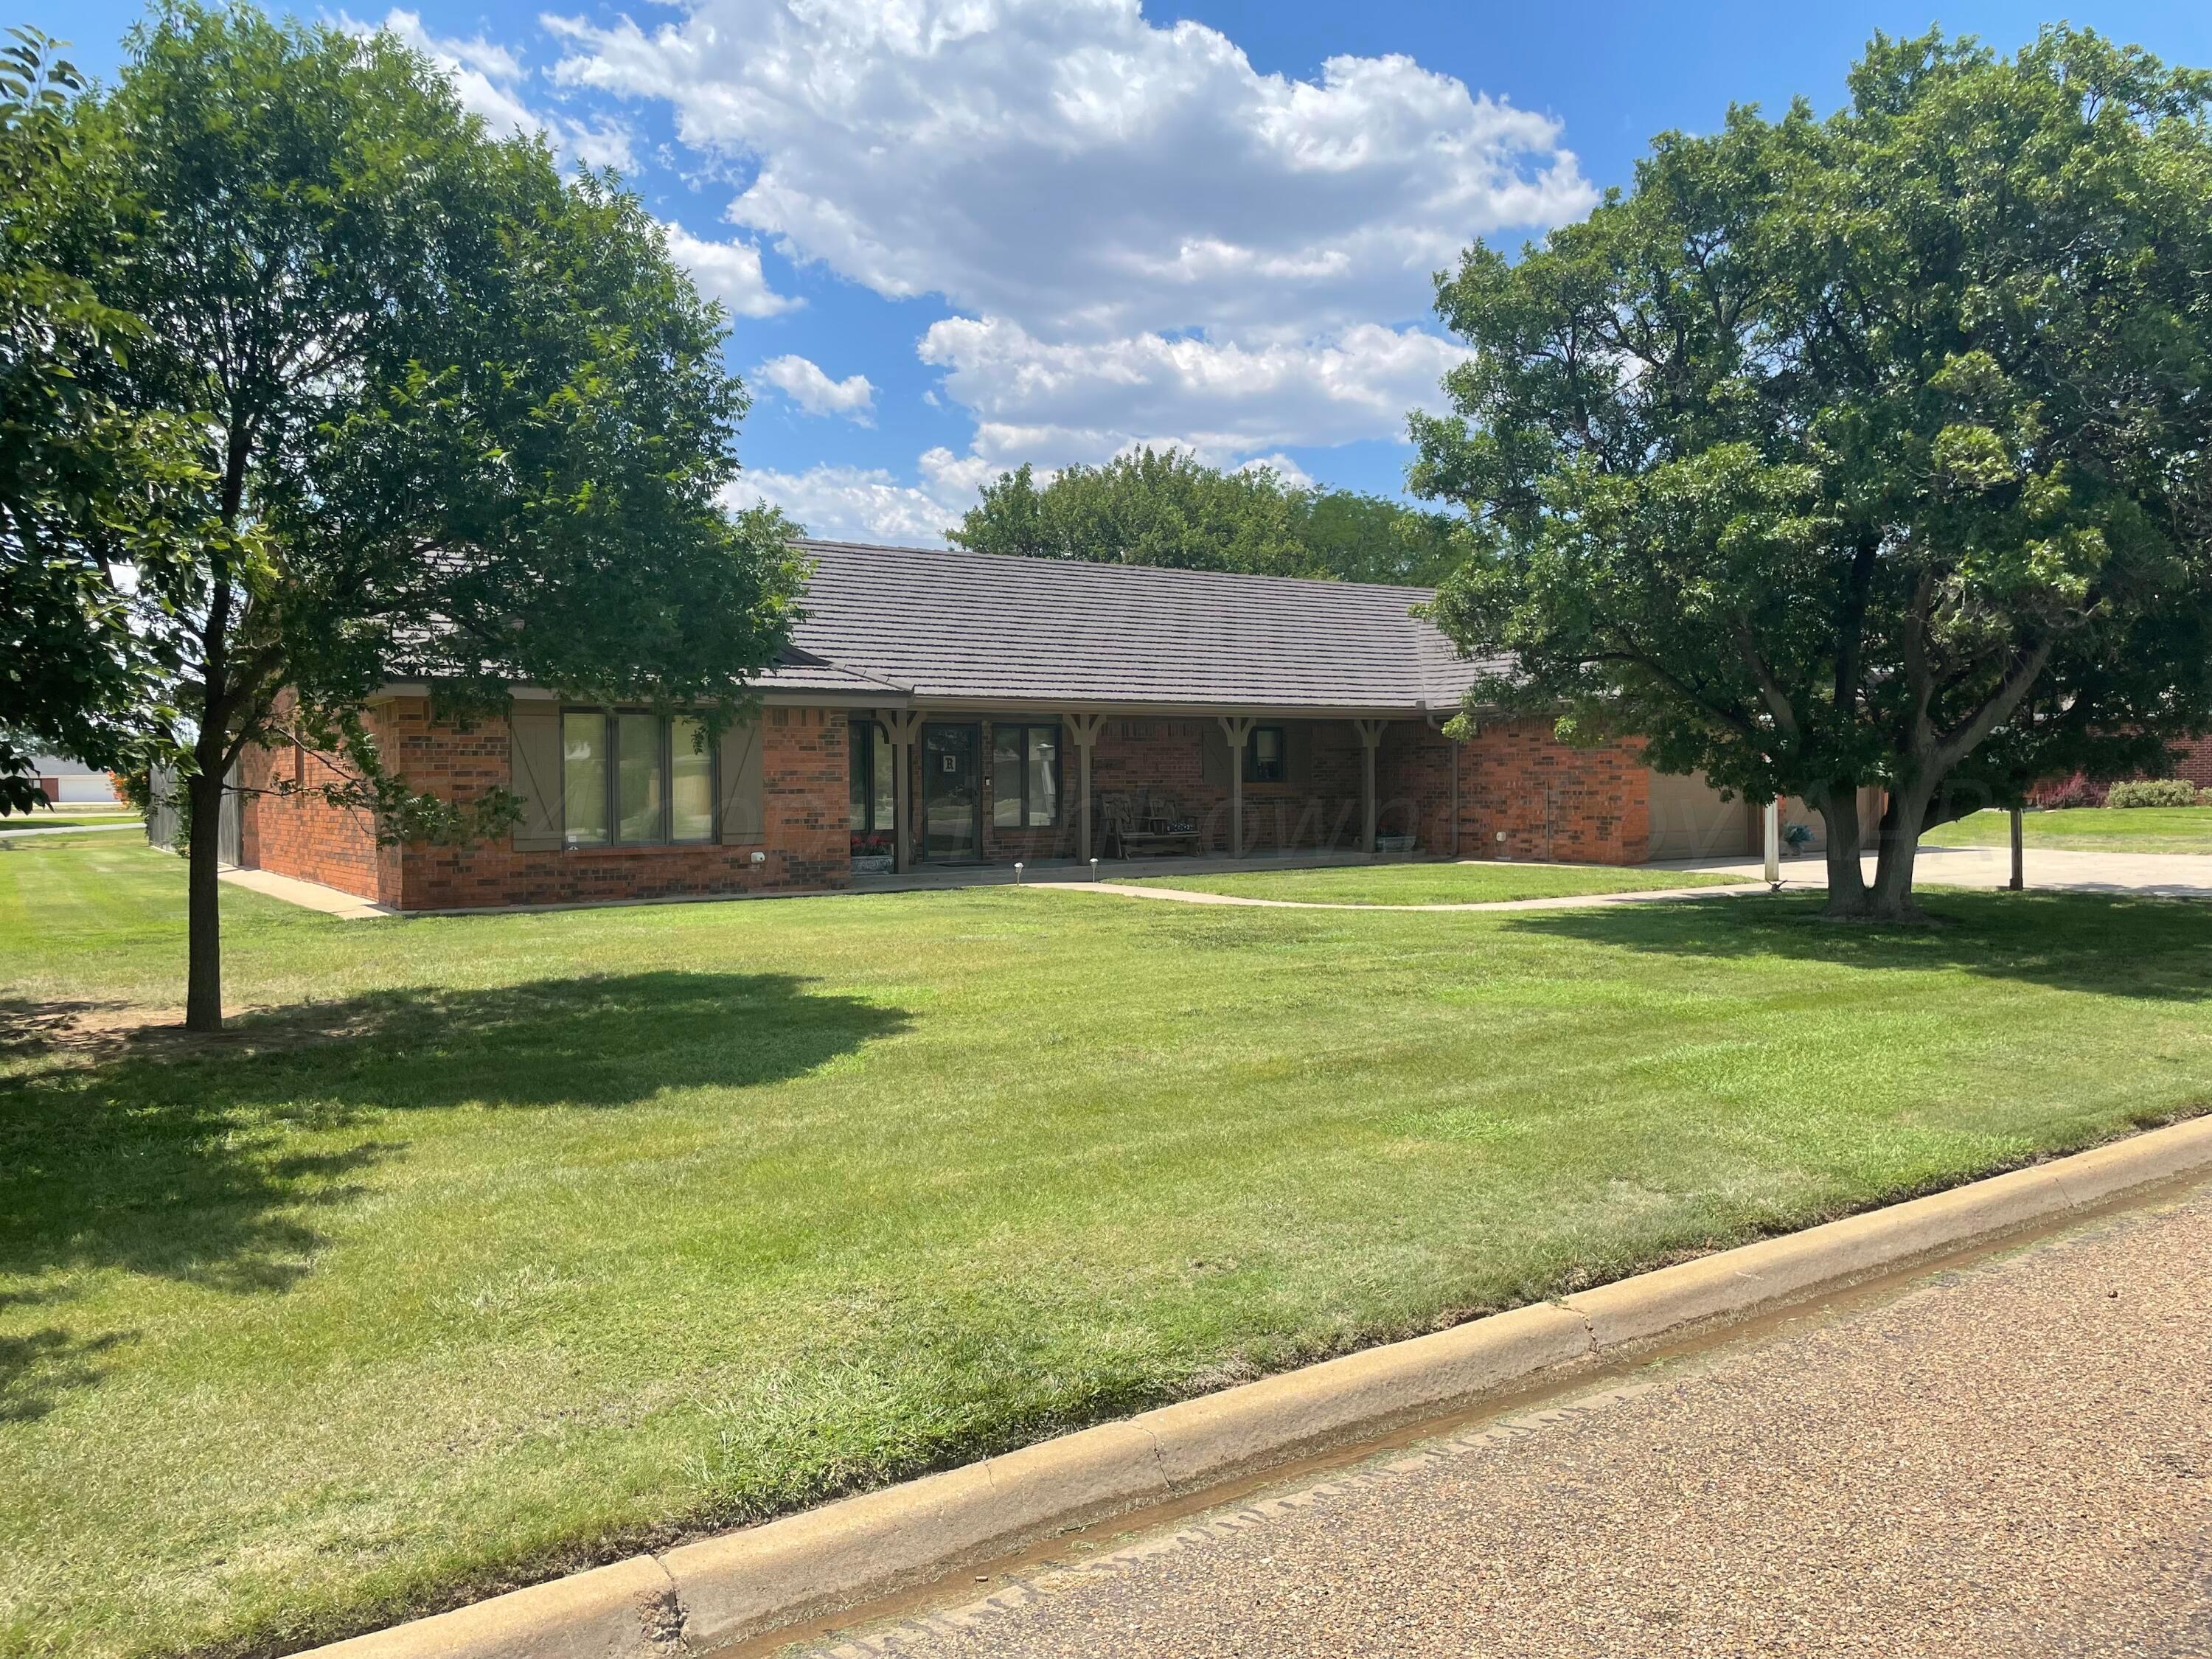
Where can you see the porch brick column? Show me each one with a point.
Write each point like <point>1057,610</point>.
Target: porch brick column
<point>1083,731</point>
<point>902,728</point>
<point>1371,739</point>
<point>1237,728</point>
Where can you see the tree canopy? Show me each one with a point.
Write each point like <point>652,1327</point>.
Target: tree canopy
<point>76,667</point>
<point>1165,507</point>
<point>1869,450</point>
<point>456,419</point>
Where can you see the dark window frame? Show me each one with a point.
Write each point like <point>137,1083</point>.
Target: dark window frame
<point>612,784</point>
<point>1282,754</point>
<point>1058,729</point>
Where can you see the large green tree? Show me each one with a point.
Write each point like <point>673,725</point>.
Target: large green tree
<point>1167,508</point>
<point>1869,450</point>
<point>459,420</point>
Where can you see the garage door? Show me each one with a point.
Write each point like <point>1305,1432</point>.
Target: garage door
<point>1689,820</point>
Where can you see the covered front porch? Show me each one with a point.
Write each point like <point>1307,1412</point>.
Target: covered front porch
<point>967,788</point>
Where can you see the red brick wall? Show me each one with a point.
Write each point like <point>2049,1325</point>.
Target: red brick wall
<point>2195,763</point>
<point>302,834</point>
<point>806,847</point>
<point>1547,801</point>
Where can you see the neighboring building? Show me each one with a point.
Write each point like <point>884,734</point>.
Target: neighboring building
<point>2192,762</point>
<point>946,708</point>
<point>66,782</point>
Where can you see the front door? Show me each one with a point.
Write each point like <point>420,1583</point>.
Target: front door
<point>950,798</point>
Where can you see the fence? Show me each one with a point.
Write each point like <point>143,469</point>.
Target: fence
<point>163,820</point>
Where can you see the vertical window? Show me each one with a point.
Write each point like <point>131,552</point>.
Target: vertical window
<point>873,775</point>
<point>637,764</point>
<point>1264,756</point>
<point>1024,776</point>
<point>635,780</point>
<point>584,779</point>
<point>691,782</point>
<point>882,770</point>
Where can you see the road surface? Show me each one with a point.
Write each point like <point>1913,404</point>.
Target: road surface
<point>2007,1459</point>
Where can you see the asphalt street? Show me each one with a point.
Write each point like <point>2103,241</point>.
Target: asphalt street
<point>2010,1458</point>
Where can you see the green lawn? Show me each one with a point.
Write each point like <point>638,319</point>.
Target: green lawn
<point>1434,884</point>
<point>2087,829</point>
<point>489,1247</point>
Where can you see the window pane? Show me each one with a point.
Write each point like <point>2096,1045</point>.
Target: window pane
<point>584,779</point>
<point>637,761</point>
<point>1044,775</point>
<point>884,771</point>
<point>1006,776</point>
<point>691,783</point>
<point>1267,754</point>
<point>860,752</point>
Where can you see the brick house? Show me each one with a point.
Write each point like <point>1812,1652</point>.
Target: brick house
<point>947,707</point>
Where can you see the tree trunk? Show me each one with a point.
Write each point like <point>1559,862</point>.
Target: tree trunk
<point>1839,812</point>
<point>202,906</point>
<point>1890,898</point>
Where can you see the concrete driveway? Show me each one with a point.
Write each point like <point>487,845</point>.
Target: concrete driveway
<point>2162,875</point>
<point>2007,1458</point>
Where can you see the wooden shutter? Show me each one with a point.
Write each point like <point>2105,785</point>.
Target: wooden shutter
<point>744,786</point>
<point>533,748</point>
<point>1212,754</point>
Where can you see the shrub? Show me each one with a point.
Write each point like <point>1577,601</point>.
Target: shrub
<point>2154,791</point>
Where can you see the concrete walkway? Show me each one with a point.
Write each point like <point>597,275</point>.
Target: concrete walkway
<point>2006,1459</point>
<point>2156,875</point>
<point>72,829</point>
<point>308,894</point>
<point>2159,875</point>
<point>1569,902</point>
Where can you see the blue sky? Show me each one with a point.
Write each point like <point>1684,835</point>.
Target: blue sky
<point>958,234</point>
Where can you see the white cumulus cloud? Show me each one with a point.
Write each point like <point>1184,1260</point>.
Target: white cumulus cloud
<point>728,272</point>
<point>490,79</point>
<point>1075,168</point>
<point>802,381</point>
<point>853,504</point>
<point>1226,400</point>
<point>1142,238</point>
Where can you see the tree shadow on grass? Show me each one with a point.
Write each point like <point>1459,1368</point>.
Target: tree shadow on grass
<point>208,1161</point>
<point>2157,949</point>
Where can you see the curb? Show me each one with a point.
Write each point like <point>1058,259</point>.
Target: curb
<point>723,1590</point>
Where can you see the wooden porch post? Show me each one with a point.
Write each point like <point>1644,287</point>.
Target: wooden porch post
<point>902,727</point>
<point>1237,728</point>
<point>1082,730</point>
<point>1371,739</point>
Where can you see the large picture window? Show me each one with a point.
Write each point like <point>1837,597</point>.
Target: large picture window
<point>1024,777</point>
<point>1265,756</point>
<point>635,780</point>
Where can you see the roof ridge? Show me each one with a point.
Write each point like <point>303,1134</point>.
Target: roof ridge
<point>1139,570</point>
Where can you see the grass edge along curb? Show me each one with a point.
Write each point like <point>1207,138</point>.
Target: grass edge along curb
<point>719,1591</point>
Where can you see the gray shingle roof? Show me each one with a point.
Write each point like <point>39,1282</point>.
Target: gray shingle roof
<point>950,625</point>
